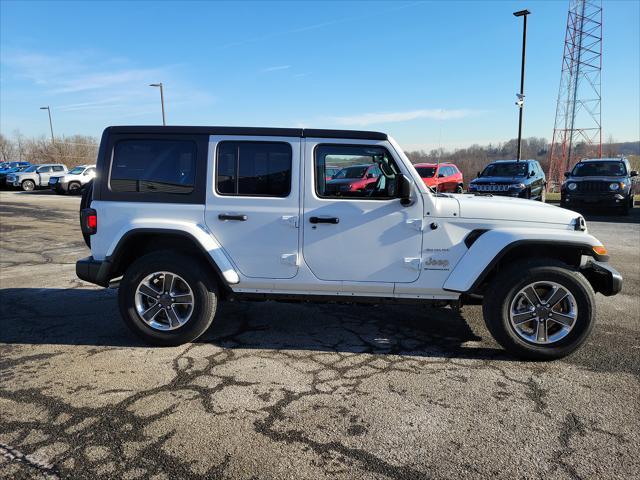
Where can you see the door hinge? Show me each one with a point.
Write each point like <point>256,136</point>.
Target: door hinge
<point>290,220</point>
<point>413,262</point>
<point>416,223</point>
<point>289,259</point>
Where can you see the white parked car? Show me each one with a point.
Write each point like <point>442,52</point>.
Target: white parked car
<point>191,216</point>
<point>73,181</point>
<point>35,176</point>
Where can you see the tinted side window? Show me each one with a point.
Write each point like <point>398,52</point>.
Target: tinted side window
<point>58,168</point>
<point>161,166</point>
<point>44,169</point>
<point>254,169</point>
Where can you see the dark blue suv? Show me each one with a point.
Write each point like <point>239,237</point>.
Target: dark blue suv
<point>524,179</point>
<point>600,182</point>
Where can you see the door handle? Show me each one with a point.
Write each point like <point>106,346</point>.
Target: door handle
<point>333,220</point>
<point>226,216</point>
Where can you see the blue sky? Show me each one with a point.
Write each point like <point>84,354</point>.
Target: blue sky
<point>429,73</point>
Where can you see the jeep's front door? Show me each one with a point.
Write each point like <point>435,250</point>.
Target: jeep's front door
<point>358,236</point>
<point>253,203</point>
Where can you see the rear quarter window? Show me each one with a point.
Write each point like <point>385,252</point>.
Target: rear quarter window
<point>153,166</point>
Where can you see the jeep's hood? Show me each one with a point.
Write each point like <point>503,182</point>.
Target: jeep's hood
<point>516,209</point>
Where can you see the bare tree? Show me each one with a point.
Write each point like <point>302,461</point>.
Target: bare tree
<point>7,149</point>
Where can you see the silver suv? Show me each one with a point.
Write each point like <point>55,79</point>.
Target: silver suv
<point>35,176</point>
<point>74,180</point>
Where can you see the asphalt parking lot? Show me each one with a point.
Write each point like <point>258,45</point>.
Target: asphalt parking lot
<point>298,391</point>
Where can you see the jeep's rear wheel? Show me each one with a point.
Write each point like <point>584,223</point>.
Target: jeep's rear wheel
<point>167,299</point>
<point>540,310</point>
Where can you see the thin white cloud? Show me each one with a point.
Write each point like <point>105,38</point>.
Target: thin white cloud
<point>88,84</point>
<point>316,26</point>
<point>276,68</point>
<point>392,117</point>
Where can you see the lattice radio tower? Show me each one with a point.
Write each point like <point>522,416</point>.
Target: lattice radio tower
<point>577,132</point>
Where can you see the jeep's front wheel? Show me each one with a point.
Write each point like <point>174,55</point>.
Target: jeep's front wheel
<point>540,310</point>
<point>167,299</point>
<point>28,185</point>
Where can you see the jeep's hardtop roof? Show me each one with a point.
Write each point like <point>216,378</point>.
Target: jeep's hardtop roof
<point>248,131</point>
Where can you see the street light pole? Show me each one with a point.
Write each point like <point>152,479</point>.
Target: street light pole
<point>161,99</point>
<point>50,122</point>
<point>520,101</point>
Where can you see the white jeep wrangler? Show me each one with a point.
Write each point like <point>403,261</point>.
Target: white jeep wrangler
<point>184,217</point>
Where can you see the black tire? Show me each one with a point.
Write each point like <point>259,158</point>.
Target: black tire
<point>508,283</point>
<point>85,202</point>
<point>74,188</point>
<point>459,189</point>
<point>28,185</point>
<point>203,286</point>
<point>626,208</point>
<point>543,196</point>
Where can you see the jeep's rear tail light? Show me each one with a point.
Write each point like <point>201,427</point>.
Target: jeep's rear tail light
<point>89,221</point>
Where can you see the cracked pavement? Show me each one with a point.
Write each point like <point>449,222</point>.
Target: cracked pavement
<point>298,391</point>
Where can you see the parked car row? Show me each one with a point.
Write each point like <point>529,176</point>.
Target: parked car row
<point>602,182</point>
<point>56,176</point>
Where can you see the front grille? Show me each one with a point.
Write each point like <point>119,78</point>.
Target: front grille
<point>492,188</point>
<point>592,187</point>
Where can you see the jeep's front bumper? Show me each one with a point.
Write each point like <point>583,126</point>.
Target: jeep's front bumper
<point>602,277</point>
<point>94,271</point>
<point>602,199</point>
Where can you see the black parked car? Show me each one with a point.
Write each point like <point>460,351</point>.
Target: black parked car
<point>524,179</point>
<point>601,182</point>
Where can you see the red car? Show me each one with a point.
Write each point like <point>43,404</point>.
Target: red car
<point>446,176</point>
<point>353,179</point>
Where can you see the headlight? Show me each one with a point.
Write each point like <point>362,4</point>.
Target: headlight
<point>614,187</point>
<point>517,186</point>
<point>572,186</point>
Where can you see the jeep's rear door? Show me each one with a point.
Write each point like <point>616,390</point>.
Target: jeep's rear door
<point>253,202</point>
<point>359,235</point>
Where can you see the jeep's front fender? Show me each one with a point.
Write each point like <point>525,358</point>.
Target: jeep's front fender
<point>492,245</point>
<point>199,233</point>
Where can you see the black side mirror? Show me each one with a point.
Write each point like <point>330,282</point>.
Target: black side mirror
<point>567,174</point>
<point>633,173</point>
<point>441,175</point>
<point>369,175</point>
<point>478,174</point>
<point>532,174</point>
<point>404,190</point>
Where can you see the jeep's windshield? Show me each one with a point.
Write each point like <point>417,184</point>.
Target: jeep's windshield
<point>511,169</point>
<point>426,172</point>
<point>76,171</point>
<point>351,172</point>
<point>32,168</point>
<point>599,169</point>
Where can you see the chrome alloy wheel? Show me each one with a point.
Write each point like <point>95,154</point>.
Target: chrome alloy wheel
<point>543,312</point>
<point>164,301</point>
